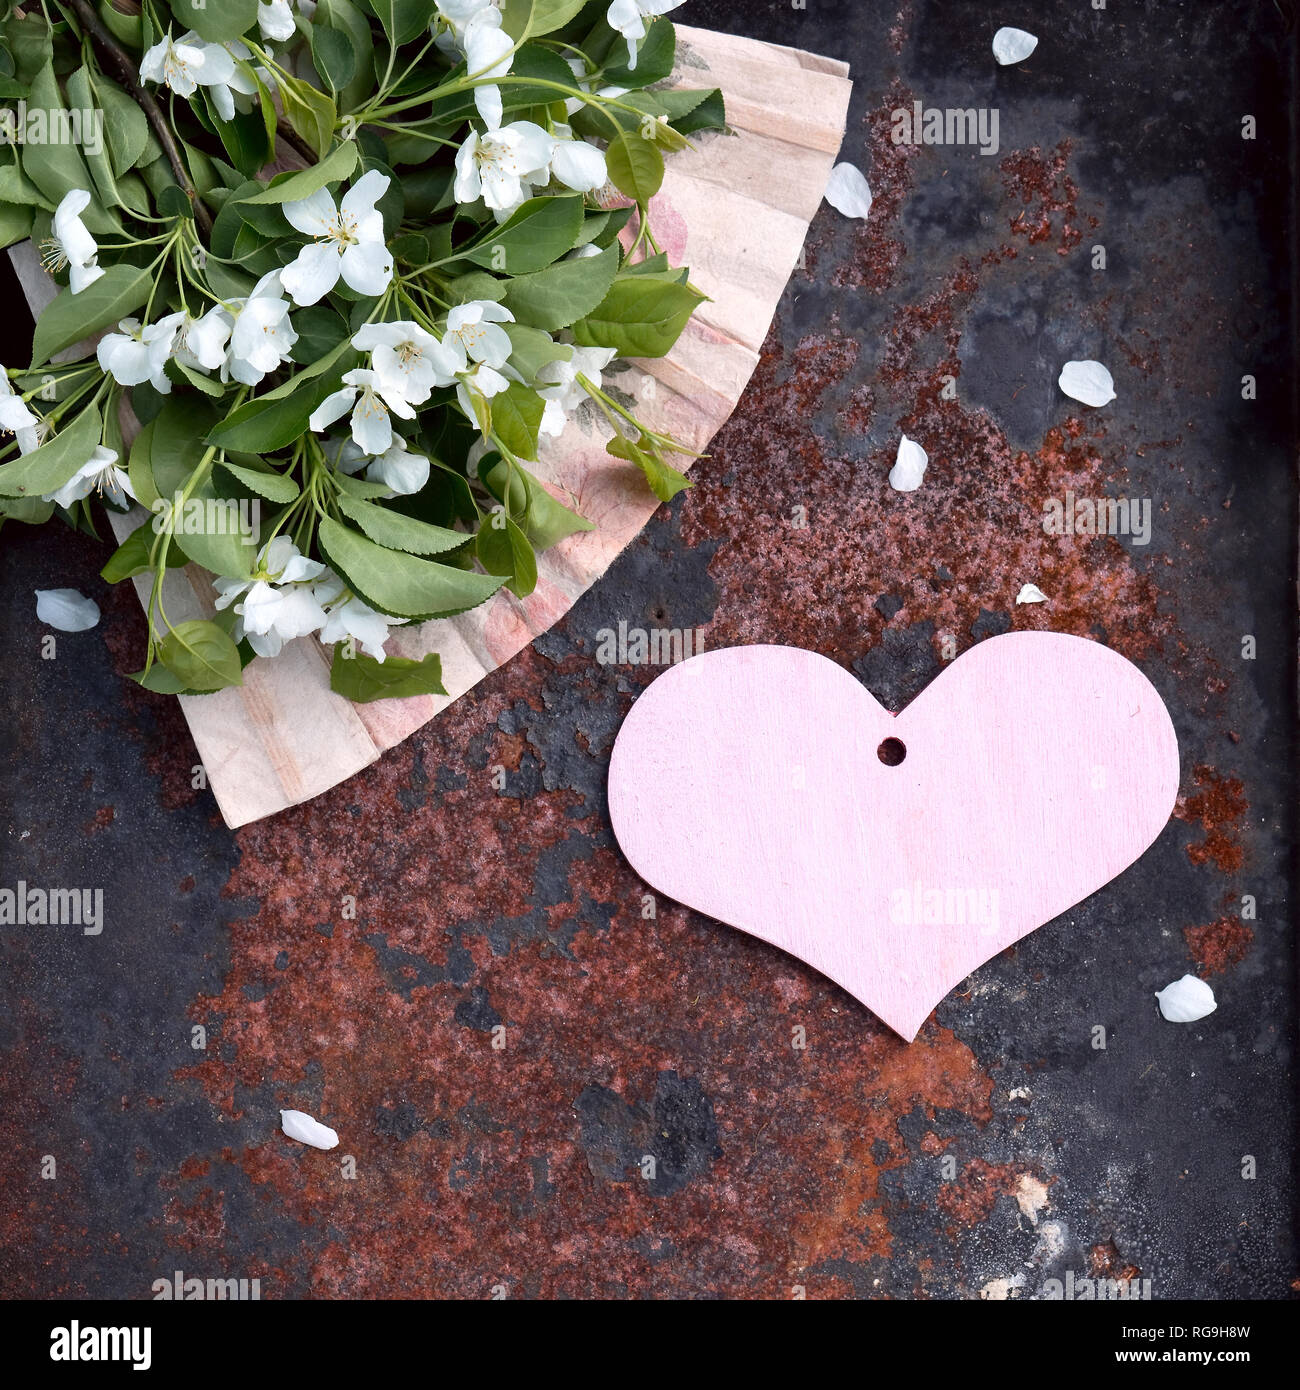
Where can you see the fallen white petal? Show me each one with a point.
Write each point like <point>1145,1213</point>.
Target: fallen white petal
<point>1186,1000</point>
<point>1031,593</point>
<point>1013,45</point>
<point>1088,382</point>
<point>847,191</point>
<point>909,468</point>
<point>66,609</point>
<point>303,1128</point>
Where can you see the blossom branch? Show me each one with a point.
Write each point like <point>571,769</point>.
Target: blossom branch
<point>125,71</point>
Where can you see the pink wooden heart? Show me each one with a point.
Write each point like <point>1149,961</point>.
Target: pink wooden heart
<point>749,784</point>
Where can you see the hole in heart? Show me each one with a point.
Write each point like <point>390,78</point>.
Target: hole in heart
<point>892,752</point>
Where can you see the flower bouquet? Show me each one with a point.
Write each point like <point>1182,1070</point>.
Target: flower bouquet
<point>330,274</point>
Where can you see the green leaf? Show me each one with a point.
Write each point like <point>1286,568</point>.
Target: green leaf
<point>402,19</point>
<point>557,296</point>
<point>400,532</point>
<point>516,416</point>
<point>46,469</point>
<point>206,384</point>
<point>504,549</point>
<point>292,188</point>
<point>655,56</point>
<point>531,238</point>
<point>320,330</point>
<point>276,487</point>
<point>362,488</point>
<point>520,18</point>
<point>15,223</point>
<point>401,584</point>
<point>267,424</point>
<point>708,113</point>
<point>16,187</point>
<point>140,467</point>
<point>162,682</point>
<point>126,129</point>
<point>245,138</point>
<point>224,549</point>
<point>132,556</point>
<point>361,678</point>
<point>635,166</point>
<point>31,511</point>
<point>665,482</point>
<point>81,99</point>
<point>200,655</point>
<point>685,110</point>
<point>69,317</point>
<point>343,16</point>
<point>544,520</point>
<point>531,349</point>
<point>216,20</point>
<point>55,164</point>
<point>639,317</point>
<point>174,203</point>
<point>312,113</point>
<point>334,56</point>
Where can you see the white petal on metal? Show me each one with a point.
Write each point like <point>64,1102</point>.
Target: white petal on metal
<point>300,1126</point>
<point>1013,45</point>
<point>1088,382</point>
<point>847,191</point>
<point>1186,1000</point>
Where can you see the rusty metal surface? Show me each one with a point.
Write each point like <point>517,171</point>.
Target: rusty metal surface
<point>486,900</point>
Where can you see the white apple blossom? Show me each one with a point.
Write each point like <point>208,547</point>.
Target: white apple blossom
<point>278,602</point>
<point>402,472</point>
<point>275,20</point>
<point>187,64</point>
<point>489,51</point>
<point>239,84</point>
<point>563,394</point>
<point>135,354</point>
<point>408,361</point>
<point>349,241</point>
<point>70,245</point>
<point>245,338</point>
<point>357,620</point>
<point>17,418</point>
<point>629,18</point>
<point>100,474</point>
<point>496,165</point>
<point>475,328</point>
<point>577,164</point>
<point>370,403</point>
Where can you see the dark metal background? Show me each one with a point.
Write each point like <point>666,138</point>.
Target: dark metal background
<point>776,1167</point>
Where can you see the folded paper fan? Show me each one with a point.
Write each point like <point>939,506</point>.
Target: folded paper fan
<point>736,211</point>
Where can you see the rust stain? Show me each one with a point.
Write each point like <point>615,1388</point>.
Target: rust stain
<point>1219,945</point>
<point>1218,808</point>
<point>1046,192</point>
